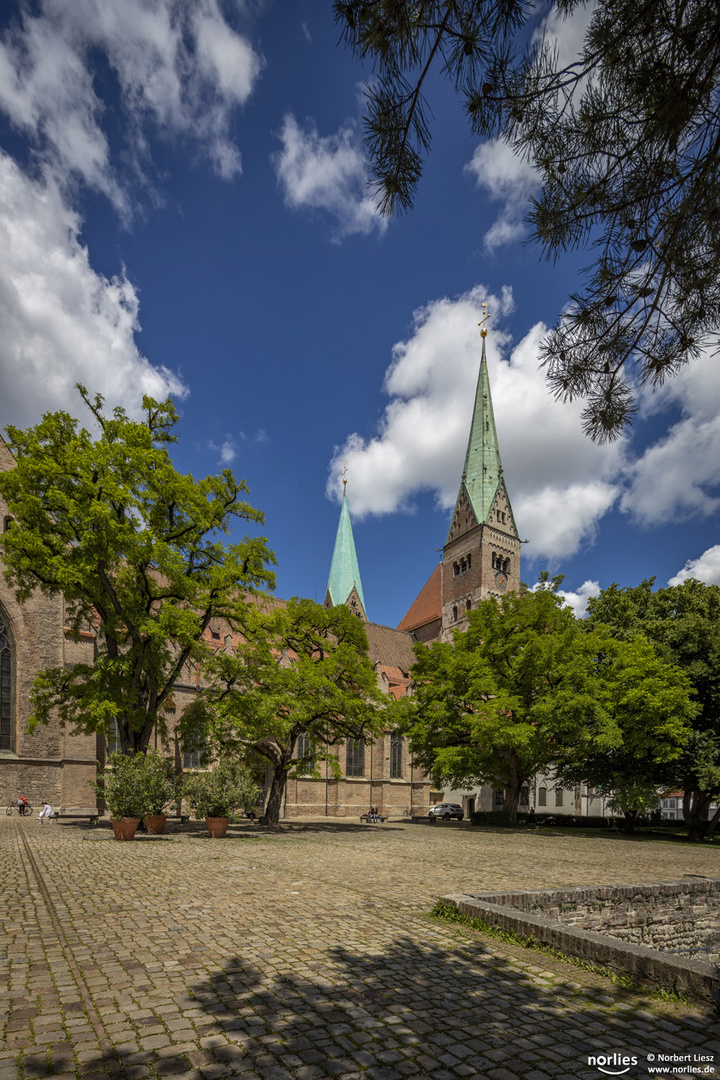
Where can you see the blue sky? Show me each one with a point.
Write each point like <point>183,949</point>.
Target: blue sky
<point>183,210</point>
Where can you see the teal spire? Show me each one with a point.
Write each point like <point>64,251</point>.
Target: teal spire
<point>483,472</point>
<point>344,569</point>
<point>483,468</point>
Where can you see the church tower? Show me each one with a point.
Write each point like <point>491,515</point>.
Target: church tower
<point>481,556</point>
<point>344,585</point>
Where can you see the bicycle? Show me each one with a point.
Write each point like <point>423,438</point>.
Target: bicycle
<point>407,812</point>
<point>23,811</point>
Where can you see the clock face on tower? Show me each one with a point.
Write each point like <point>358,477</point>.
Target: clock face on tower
<point>501,580</point>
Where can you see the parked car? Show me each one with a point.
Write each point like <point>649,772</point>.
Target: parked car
<point>446,810</point>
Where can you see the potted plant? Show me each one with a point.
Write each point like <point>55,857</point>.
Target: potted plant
<point>122,786</point>
<point>161,787</point>
<point>217,794</point>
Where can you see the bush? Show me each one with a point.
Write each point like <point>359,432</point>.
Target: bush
<point>503,819</point>
<point>124,786</point>
<point>220,793</point>
<point>494,817</point>
<point>162,783</point>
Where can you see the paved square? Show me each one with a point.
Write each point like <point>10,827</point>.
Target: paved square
<point>306,953</point>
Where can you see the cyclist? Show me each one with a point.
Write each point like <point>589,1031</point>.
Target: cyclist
<point>22,803</point>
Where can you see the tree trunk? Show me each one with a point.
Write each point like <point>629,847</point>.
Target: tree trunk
<point>629,818</point>
<point>695,810</point>
<point>275,798</point>
<point>712,824</point>
<point>513,787</point>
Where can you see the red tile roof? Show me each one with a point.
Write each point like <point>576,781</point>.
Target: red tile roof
<point>427,606</point>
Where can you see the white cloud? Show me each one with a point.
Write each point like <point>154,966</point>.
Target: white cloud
<point>560,483</point>
<point>678,476</point>
<point>180,69</point>
<point>508,179</point>
<point>62,322</point>
<point>578,600</point>
<point>227,450</point>
<point>327,172</point>
<point>706,568</point>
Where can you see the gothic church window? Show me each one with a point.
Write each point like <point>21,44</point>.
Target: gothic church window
<point>558,796</point>
<point>396,756</point>
<point>542,796</point>
<point>194,759</point>
<point>468,605</point>
<point>454,614</point>
<point>113,737</point>
<point>305,749</point>
<point>355,758</point>
<point>7,728</point>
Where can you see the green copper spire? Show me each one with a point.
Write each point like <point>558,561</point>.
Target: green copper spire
<point>344,569</point>
<point>483,472</point>
<point>483,468</point>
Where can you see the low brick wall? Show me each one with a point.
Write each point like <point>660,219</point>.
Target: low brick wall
<point>610,925</point>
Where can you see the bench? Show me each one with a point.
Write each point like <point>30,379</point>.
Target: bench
<point>57,814</point>
<point>373,819</point>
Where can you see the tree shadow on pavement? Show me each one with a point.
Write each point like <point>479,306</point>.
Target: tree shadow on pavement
<point>445,1009</point>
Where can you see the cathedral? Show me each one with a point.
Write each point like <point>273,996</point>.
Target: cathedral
<point>481,558</point>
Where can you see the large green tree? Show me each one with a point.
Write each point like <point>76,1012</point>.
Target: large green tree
<point>683,624</point>
<point>625,138</point>
<point>302,671</point>
<point>651,706</point>
<point>478,711</point>
<point>135,548</point>
<point>526,689</point>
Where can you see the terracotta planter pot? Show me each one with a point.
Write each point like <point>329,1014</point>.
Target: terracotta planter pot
<point>155,823</point>
<point>126,828</point>
<point>217,826</point>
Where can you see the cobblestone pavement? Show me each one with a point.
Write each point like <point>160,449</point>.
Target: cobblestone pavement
<point>306,952</point>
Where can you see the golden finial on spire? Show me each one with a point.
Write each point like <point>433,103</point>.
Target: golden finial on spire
<point>483,328</point>
<point>344,477</point>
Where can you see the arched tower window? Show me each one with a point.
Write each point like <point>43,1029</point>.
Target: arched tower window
<point>7,727</point>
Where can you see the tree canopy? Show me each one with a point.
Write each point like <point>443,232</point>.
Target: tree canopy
<point>302,672</point>
<point>683,624</point>
<point>135,548</point>
<point>526,689</point>
<point>625,138</point>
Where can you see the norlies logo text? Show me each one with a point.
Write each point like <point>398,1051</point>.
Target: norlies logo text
<point>603,1061</point>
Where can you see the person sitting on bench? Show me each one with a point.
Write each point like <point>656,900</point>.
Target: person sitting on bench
<point>46,812</point>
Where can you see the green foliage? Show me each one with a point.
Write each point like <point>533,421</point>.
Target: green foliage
<point>302,670</point>
<point>222,791</point>
<point>527,687</point>
<point>130,785</point>
<point>683,624</point>
<point>649,707</point>
<point>624,138</point>
<point>135,549</point>
<point>486,706</point>
<point>162,783</point>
